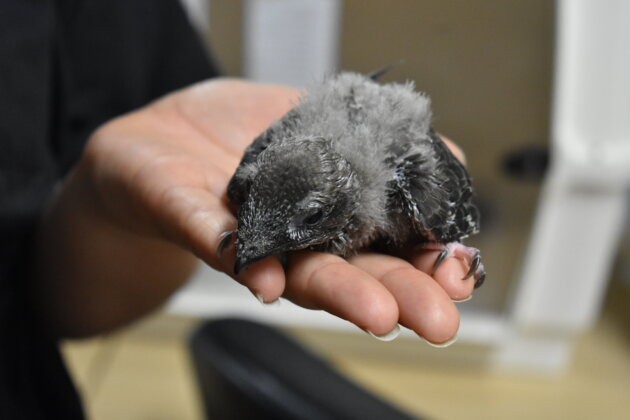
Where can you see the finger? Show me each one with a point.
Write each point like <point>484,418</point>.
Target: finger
<point>455,149</point>
<point>264,278</point>
<point>325,281</point>
<point>423,305</point>
<point>448,275</point>
<point>250,106</point>
<point>196,220</point>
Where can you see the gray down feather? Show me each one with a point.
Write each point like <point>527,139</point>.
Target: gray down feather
<point>355,164</point>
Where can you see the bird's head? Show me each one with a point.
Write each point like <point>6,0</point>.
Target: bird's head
<point>303,194</point>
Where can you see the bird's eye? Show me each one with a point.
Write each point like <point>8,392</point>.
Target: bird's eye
<point>313,218</point>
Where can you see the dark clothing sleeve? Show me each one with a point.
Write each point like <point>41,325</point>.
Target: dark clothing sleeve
<point>67,66</point>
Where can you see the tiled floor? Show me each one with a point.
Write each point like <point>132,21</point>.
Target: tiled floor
<point>143,373</point>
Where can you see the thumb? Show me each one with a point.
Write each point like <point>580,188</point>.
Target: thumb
<point>197,220</point>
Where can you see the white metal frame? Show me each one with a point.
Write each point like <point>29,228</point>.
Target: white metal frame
<point>584,202</point>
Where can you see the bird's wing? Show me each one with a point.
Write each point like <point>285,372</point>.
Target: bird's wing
<point>239,185</point>
<point>436,193</point>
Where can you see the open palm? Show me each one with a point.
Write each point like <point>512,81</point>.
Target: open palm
<point>162,172</point>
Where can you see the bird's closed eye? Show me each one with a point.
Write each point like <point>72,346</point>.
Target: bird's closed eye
<point>314,218</point>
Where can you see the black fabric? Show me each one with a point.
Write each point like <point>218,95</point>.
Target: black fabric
<point>67,66</point>
<point>247,370</point>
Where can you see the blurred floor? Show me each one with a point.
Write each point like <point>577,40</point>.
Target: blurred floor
<point>143,373</point>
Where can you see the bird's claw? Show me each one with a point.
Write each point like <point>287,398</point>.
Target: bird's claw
<point>474,264</point>
<point>477,270</point>
<point>440,259</point>
<point>457,250</point>
<point>480,276</point>
<point>225,240</point>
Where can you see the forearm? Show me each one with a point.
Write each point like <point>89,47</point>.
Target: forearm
<point>91,275</point>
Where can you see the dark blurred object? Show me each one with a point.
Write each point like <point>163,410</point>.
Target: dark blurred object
<point>251,371</point>
<point>529,163</point>
<point>489,211</point>
<point>67,66</point>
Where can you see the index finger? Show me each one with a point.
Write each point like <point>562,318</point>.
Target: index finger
<point>455,149</point>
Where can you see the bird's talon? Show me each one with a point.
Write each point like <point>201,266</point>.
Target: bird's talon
<point>480,276</point>
<point>476,260</point>
<point>441,257</point>
<point>463,253</point>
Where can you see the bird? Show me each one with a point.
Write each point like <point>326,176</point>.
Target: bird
<point>354,165</point>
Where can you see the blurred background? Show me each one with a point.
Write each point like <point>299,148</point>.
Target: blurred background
<point>548,335</point>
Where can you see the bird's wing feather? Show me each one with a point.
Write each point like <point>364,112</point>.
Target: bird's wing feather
<point>436,192</point>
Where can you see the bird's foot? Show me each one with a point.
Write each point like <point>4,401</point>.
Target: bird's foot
<point>469,255</point>
<point>226,240</point>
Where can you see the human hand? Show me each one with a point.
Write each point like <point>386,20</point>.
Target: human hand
<point>162,171</point>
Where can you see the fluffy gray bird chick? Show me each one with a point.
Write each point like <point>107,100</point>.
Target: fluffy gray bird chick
<point>355,164</point>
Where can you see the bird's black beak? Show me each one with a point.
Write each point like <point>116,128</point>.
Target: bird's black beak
<point>246,255</point>
<point>244,262</point>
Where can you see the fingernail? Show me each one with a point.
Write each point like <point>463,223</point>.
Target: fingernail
<point>395,332</point>
<point>225,242</point>
<point>262,300</point>
<point>466,299</point>
<point>441,345</point>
